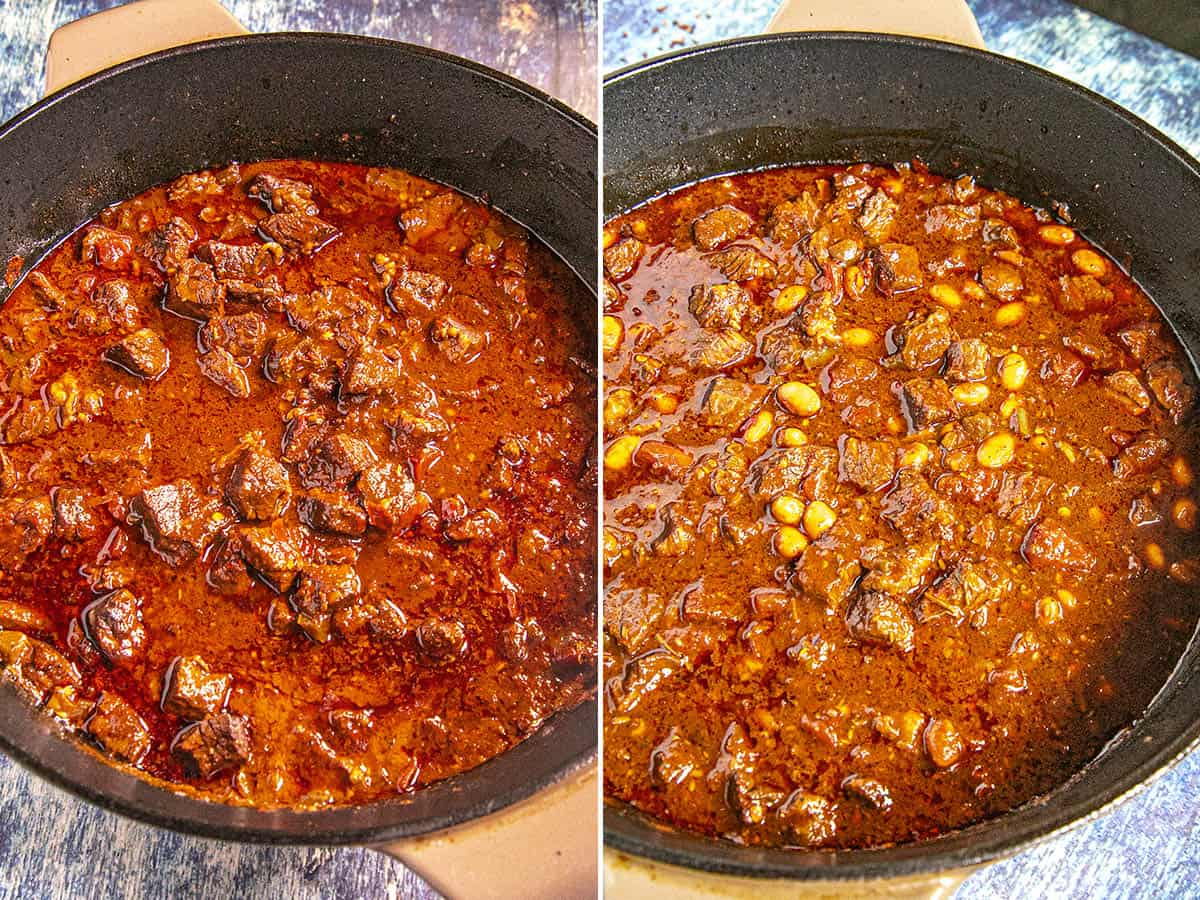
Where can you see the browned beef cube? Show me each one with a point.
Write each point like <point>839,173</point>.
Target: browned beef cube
<point>1170,389</point>
<point>719,226</point>
<point>1021,497</point>
<point>926,403</point>
<point>897,268</point>
<point>723,350</point>
<point>236,261</point>
<point>351,728</point>
<point>214,745</point>
<point>826,575</point>
<point>441,641</point>
<point>194,292</point>
<point>193,691</point>
<point>923,340</point>
<point>219,367</point>
<point>333,461</point>
<point>298,232</point>
<point>896,570</point>
<point>429,216</point>
<point>321,591</point>
<point>33,667</point>
<point>274,552</point>
<point>1140,457</point>
<point>1096,349</point>
<point>292,357</point>
<point>23,618</point>
<point>743,264</point>
<point>964,588</point>
<point>243,335</point>
<point>483,526</point>
<point>1083,294</point>
<point>868,791</point>
<point>280,194</point>
<point>106,248</point>
<point>380,619</point>
<point>968,360</point>
<point>809,471</point>
<point>258,486</point>
<point>1047,544</point>
<point>793,219</point>
<point>720,306</point>
<point>119,729</point>
<point>261,291</point>
<point>142,353</point>
<point>170,244</point>
<point>1063,369</point>
<point>114,623</point>
<point>460,343</point>
<point>176,521</point>
<point>1000,233</point>
<point>818,317</point>
<point>73,520</point>
<point>876,217</point>
<point>24,526</point>
<point>956,223</point>
<point>1128,391</point>
<point>730,401</point>
<point>116,304</point>
<point>333,513</point>
<point>410,288</point>
<point>1143,340</point>
<point>46,293</point>
<point>1001,280</point>
<point>868,464</point>
<point>878,618</point>
<point>914,509</point>
<point>391,499</point>
<point>333,308</point>
<point>369,370</point>
<point>621,257</point>
<point>227,572</point>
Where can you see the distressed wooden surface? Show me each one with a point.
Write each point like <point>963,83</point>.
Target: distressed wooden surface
<point>52,845</point>
<point>1149,846</point>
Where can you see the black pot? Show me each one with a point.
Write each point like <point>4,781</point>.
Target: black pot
<point>313,96</point>
<point>843,98</point>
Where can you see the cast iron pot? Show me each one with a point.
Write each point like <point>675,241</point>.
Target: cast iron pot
<point>326,97</point>
<point>851,97</point>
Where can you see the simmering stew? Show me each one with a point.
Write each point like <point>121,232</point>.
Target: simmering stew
<point>297,484</point>
<point>899,505</point>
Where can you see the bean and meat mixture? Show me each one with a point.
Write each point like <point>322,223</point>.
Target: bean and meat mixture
<point>899,506</point>
<point>297,484</point>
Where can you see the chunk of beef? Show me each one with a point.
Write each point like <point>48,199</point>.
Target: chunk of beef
<point>965,587</point>
<point>227,573</point>
<point>622,256</point>
<point>73,520</point>
<point>33,667</point>
<point>1096,349</point>
<point>926,403</point>
<point>1143,340</point>
<point>441,641</point>
<point>824,574</point>
<point>922,340</point>
<point>968,360</point>
<point>1001,280</point>
<point>46,293</point>
<point>722,350</point>
<point>258,486</point>
<point>1082,294</point>
<point>282,195</point>
<point>114,624</point>
<point>23,618</point>
<point>24,526</point>
<point>332,513</point>
<point>215,744</point>
<point>170,244</point>
<point>106,248</point>
<point>118,728</point>
<point>142,353</point>
<point>897,268</point>
<point>793,219</point>
<point>817,318</point>
<point>1021,497</point>
<point>194,292</point>
<point>729,402</point>
<point>868,464</point>
<point>236,262</point>
<point>1140,457</point>
<point>915,510</point>
<point>458,342</point>
<point>719,226</point>
<point>193,690</point>
<point>1170,389</point>
<point>242,336</point>
<point>1063,369</point>
<point>720,306</point>
<point>334,460</point>
<point>368,370</point>
<point>1049,545</point>
<point>390,497</point>
<point>482,526</point>
<point>878,618</point>
<point>321,590</point>
<point>411,289</point>
<point>743,264</point>
<point>262,291</point>
<point>999,232</point>
<point>274,552</point>
<point>298,232</point>
<point>955,223</point>
<point>219,367</point>
<point>379,619</point>
<point>1128,392</point>
<point>810,471</point>
<point>429,216</point>
<point>293,358</point>
<point>176,521</point>
<point>896,570</point>
<point>114,305</point>
<point>877,215</point>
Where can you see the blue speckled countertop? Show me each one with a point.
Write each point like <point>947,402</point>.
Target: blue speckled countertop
<point>1150,846</point>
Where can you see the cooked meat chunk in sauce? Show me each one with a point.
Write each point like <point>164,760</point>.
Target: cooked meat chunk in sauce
<point>291,452</point>
<point>899,505</point>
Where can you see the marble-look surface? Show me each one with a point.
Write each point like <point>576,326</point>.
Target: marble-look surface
<point>54,846</point>
<point>1149,847</point>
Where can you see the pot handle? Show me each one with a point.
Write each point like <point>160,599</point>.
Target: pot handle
<point>544,848</point>
<point>104,39</point>
<point>945,20</point>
